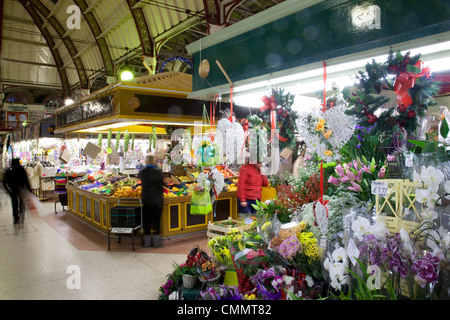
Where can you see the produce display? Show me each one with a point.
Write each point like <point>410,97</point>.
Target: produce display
<point>122,186</point>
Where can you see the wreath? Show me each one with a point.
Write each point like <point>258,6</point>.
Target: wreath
<point>277,108</point>
<point>408,79</point>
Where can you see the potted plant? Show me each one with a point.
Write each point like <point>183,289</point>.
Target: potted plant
<point>189,274</point>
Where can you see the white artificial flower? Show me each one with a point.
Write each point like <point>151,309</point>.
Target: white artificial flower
<point>427,196</point>
<point>447,189</point>
<point>429,214</point>
<point>288,280</point>
<point>340,255</point>
<point>447,186</point>
<point>433,239</point>
<point>379,230</point>
<point>361,227</point>
<point>309,281</point>
<point>404,236</point>
<point>446,240</point>
<point>326,264</point>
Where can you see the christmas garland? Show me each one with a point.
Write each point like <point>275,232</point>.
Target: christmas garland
<point>412,84</point>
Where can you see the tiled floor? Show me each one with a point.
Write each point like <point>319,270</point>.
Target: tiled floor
<point>47,256</point>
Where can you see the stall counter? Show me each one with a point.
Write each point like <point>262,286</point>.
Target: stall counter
<point>176,220</point>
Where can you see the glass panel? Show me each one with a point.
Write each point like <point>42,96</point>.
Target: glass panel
<point>193,219</point>
<point>80,204</point>
<point>74,202</point>
<point>105,216</point>
<point>88,208</point>
<point>174,223</point>
<point>96,211</point>
<point>222,209</point>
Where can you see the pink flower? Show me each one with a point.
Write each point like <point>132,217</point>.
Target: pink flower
<point>390,158</point>
<point>382,173</point>
<point>346,179</point>
<point>339,170</point>
<point>351,175</point>
<point>333,180</point>
<point>355,187</point>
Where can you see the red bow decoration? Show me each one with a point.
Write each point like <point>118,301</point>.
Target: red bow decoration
<point>405,81</point>
<point>323,202</point>
<point>271,104</point>
<point>244,123</point>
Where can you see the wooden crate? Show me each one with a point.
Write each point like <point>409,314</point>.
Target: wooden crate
<point>217,230</point>
<point>399,199</point>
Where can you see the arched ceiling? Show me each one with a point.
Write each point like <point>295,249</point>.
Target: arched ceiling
<point>78,46</point>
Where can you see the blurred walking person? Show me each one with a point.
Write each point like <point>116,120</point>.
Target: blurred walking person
<point>16,182</point>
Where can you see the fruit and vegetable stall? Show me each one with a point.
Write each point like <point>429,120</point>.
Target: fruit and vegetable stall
<point>91,198</point>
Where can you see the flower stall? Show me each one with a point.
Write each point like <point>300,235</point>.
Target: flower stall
<point>367,214</point>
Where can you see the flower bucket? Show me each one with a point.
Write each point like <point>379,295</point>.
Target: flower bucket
<point>211,281</point>
<point>189,281</point>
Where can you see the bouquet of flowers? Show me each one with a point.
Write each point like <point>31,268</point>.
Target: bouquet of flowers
<point>221,292</point>
<point>247,256</point>
<point>207,270</point>
<point>269,282</point>
<point>219,248</point>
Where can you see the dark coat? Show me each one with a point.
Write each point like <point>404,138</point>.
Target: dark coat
<point>16,178</point>
<point>152,186</point>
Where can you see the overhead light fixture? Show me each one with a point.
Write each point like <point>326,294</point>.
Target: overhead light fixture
<point>68,102</point>
<point>126,72</point>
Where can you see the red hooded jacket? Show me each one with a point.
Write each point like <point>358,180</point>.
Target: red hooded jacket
<point>250,183</point>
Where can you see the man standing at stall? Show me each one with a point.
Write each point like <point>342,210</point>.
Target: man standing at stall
<point>16,183</point>
<point>152,200</point>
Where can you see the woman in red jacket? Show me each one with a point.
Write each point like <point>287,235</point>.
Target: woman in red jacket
<point>250,186</point>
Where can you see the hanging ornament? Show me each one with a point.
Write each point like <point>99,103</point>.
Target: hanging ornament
<point>371,118</point>
<point>411,114</point>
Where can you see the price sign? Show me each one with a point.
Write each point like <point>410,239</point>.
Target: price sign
<point>379,188</point>
<point>121,230</point>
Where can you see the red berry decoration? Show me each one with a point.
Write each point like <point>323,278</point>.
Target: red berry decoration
<point>411,114</point>
<point>401,108</point>
<point>371,118</point>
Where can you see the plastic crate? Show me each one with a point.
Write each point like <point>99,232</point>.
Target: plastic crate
<point>125,216</point>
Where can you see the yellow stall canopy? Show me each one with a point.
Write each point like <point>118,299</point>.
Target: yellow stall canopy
<point>156,100</point>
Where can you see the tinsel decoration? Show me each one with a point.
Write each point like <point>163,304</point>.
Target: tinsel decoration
<point>126,141</point>
<point>99,140</point>
<point>152,138</point>
<point>132,141</point>
<point>118,139</point>
<point>109,137</point>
